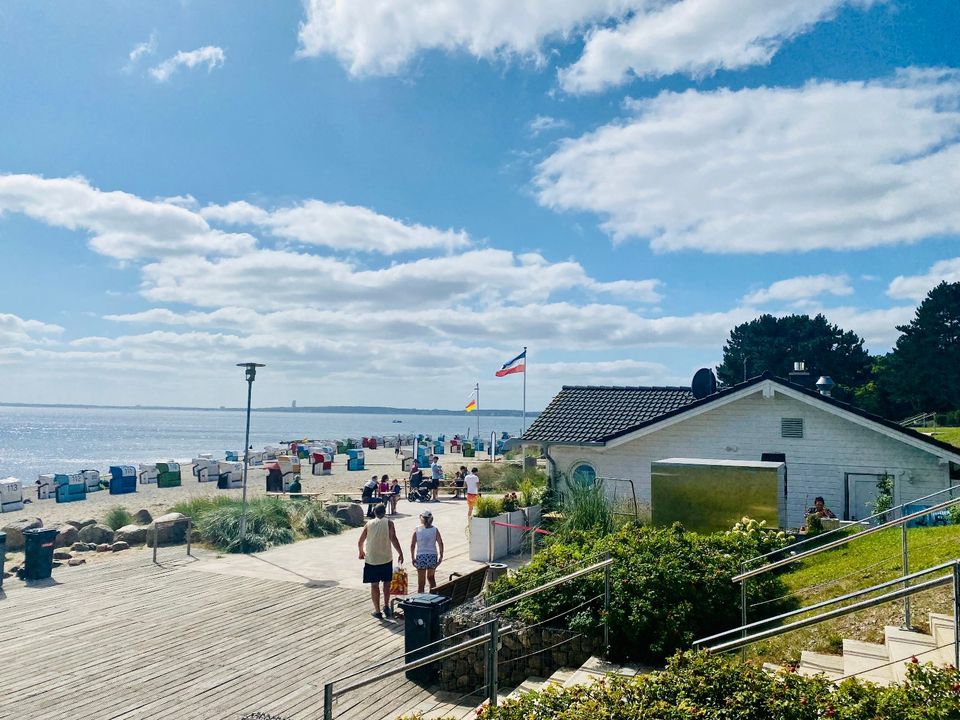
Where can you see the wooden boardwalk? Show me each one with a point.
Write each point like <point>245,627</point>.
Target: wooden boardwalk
<point>125,639</point>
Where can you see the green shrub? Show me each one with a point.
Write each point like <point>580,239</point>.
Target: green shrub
<point>117,517</point>
<point>197,506</point>
<point>269,523</point>
<point>586,509</point>
<point>314,520</point>
<point>488,507</point>
<point>668,587</point>
<point>506,477</point>
<point>709,687</point>
<point>530,493</point>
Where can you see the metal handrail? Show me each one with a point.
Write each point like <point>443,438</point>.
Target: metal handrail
<point>843,541</point>
<point>951,489</point>
<point>839,612</point>
<point>828,602</point>
<point>546,586</point>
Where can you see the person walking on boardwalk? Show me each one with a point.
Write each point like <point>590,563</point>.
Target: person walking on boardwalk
<point>375,541</point>
<point>472,481</point>
<point>426,549</point>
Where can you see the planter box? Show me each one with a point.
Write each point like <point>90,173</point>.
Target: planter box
<point>534,515</point>
<point>514,536</point>
<point>487,541</point>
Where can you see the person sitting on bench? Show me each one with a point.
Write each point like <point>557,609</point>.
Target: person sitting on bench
<point>367,495</point>
<point>295,486</point>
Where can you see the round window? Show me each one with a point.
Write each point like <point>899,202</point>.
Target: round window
<point>584,475</point>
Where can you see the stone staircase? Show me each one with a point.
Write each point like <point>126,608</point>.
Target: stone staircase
<point>448,705</point>
<point>887,663</point>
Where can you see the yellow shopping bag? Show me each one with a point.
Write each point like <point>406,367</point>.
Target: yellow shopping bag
<point>398,583</point>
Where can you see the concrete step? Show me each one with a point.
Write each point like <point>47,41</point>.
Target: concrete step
<point>531,684</point>
<point>904,645</point>
<point>867,661</point>
<point>560,676</point>
<point>772,668</point>
<point>942,629</point>
<point>814,663</point>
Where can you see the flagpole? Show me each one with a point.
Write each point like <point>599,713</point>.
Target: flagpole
<point>523,424</point>
<point>477,389</point>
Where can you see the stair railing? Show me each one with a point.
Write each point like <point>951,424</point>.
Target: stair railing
<point>794,556</point>
<point>950,578</point>
<point>490,638</point>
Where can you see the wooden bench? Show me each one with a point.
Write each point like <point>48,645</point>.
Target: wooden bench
<point>296,494</point>
<point>460,588</point>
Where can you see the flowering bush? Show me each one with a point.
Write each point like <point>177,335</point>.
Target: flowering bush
<point>756,531</point>
<point>510,502</point>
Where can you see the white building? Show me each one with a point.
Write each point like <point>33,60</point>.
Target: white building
<point>830,448</point>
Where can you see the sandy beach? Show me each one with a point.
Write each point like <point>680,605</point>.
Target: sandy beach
<point>158,500</point>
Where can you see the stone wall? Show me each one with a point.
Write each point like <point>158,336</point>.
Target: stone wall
<point>530,652</point>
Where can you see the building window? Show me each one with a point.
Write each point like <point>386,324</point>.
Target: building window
<point>583,475</point>
<point>791,427</point>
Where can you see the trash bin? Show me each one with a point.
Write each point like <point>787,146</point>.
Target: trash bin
<point>3,549</point>
<point>38,551</point>
<point>494,572</point>
<point>421,627</point>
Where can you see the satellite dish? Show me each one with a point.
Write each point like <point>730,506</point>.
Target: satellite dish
<point>704,383</point>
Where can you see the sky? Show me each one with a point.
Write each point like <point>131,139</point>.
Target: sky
<point>385,200</point>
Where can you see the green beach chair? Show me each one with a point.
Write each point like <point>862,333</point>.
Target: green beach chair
<point>168,475</point>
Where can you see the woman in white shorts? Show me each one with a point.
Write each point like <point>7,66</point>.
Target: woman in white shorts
<point>426,549</point>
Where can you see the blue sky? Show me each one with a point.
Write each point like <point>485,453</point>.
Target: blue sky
<point>385,199</point>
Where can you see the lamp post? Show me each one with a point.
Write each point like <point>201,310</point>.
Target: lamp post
<point>251,375</point>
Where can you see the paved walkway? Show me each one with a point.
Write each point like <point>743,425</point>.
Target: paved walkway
<point>210,637</point>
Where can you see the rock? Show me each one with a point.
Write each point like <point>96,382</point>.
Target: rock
<point>7,575</point>
<point>95,533</point>
<point>118,546</point>
<point>61,555</point>
<point>103,547</point>
<point>350,514</point>
<point>169,528</point>
<point>80,547</point>
<point>15,530</point>
<point>142,517</point>
<point>66,535</point>
<point>56,564</point>
<point>132,534</point>
<point>76,523</point>
<point>85,523</point>
<point>73,562</point>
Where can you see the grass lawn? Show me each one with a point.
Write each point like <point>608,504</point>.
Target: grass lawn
<point>948,434</point>
<point>857,565</point>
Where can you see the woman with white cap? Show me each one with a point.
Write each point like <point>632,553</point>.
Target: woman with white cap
<point>426,549</point>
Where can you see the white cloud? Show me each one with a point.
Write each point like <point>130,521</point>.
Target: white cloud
<point>695,37</point>
<point>17,332</point>
<point>122,225</point>
<point>916,287</point>
<point>148,47</point>
<point>543,123</point>
<point>209,55</point>
<point>800,288</point>
<point>339,226</point>
<point>829,165</point>
<point>381,36</point>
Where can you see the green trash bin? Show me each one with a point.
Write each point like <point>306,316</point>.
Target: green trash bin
<point>422,627</point>
<point>3,550</point>
<point>38,551</point>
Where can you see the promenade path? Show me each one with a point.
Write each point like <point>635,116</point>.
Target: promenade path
<point>211,637</point>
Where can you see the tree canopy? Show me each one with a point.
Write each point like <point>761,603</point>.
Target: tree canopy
<point>775,344</point>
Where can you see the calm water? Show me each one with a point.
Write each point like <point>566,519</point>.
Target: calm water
<point>42,440</point>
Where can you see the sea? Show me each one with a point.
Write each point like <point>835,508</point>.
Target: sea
<point>35,440</point>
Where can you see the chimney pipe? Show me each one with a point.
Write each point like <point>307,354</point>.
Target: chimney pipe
<point>825,385</point>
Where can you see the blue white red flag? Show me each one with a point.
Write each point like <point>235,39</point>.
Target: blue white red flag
<point>517,365</point>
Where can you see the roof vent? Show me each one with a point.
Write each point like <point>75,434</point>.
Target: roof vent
<point>825,385</point>
<point>704,383</point>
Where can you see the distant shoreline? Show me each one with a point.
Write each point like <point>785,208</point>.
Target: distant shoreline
<point>328,409</point>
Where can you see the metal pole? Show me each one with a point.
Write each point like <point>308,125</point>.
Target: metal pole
<point>906,571</point>
<point>477,388</point>
<point>189,533</point>
<point>246,464</point>
<point>743,606</point>
<point>523,424</point>
<point>328,701</point>
<point>606,607</point>
<point>493,662</point>
<point>156,534</point>
<point>956,615</point>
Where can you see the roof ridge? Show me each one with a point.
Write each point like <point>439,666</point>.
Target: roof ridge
<point>627,387</point>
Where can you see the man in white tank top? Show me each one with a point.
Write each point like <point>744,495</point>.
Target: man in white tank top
<point>375,541</point>
<point>426,548</point>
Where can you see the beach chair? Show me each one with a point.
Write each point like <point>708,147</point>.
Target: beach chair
<point>468,451</point>
<point>147,474</point>
<point>206,469</point>
<point>231,456</point>
<point>438,448</point>
<point>320,465</point>
<point>168,475</point>
<point>46,486</point>
<point>11,495</point>
<point>123,479</point>
<point>290,467</point>
<point>355,459</point>
<point>92,479</point>
<point>230,475</point>
<point>276,480</point>
<point>70,488</point>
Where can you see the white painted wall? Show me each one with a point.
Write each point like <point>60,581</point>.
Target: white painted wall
<point>746,428</point>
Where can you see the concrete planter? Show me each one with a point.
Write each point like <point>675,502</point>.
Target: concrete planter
<point>514,536</point>
<point>533,515</point>
<point>488,542</point>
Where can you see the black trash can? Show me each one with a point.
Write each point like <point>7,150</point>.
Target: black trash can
<point>3,550</point>
<point>38,551</point>
<point>421,627</point>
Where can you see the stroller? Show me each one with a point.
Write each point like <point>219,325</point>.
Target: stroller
<point>421,492</point>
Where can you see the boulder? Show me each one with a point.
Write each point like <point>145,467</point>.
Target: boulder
<point>169,528</point>
<point>73,562</point>
<point>66,535</point>
<point>61,555</point>
<point>132,534</point>
<point>142,517</point>
<point>76,523</point>
<point>81,547</point>
<point>91,547</point>
<point>103,547</point>
<point>350,514</point>
<point>96,534</point>
<point>85,523</point>
<point>118,546</point>
<point>15,530</point>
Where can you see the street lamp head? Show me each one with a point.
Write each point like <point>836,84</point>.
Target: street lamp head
<point>251,369</point>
